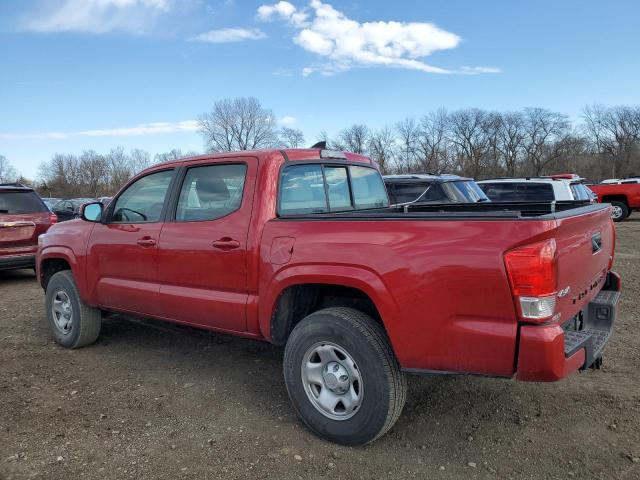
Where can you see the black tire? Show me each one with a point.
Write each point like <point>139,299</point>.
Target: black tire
<point>620,211</point>
<point>84,321</point>
<point>384,385</point>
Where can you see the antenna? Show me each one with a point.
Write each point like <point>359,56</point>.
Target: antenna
<point>322,145</point>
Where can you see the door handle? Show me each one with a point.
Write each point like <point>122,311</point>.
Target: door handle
<point>226,243</point>
<point>146,242</point>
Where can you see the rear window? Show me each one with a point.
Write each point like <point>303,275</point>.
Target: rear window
<point>16,203</point>
<point>518,192</point>
<point>464,192</point>
<point>410,192</point>
<point>313,188</point>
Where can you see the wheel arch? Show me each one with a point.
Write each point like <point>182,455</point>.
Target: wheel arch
<point>54,259</point>
<point>300,290</point>
<point>615,198</point>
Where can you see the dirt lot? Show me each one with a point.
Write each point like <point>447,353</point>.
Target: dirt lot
<point>151,400</point>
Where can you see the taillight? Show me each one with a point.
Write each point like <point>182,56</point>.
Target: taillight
<point>53,218</point>
<point>532,271</point>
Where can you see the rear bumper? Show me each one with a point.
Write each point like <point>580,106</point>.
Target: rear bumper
<point>17,261</point>
<point>551,352</point>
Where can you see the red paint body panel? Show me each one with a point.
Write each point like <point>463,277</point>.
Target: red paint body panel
<point>439,284</point>
<point>630,192</point>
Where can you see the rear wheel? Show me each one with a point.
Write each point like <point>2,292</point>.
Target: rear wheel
<point>72,322</point>
<point>342,376</point>
<point>619,211</point>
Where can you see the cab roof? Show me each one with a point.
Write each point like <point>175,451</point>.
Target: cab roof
<point>14,187</point>
<point>289,154</point>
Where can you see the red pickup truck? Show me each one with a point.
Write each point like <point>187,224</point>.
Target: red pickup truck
<point>301,248</point>
<point>624,197</point>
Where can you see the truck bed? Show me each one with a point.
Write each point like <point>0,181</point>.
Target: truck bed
<point>477,211</point>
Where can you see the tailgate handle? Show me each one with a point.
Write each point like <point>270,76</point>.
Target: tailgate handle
<point>596,242</point>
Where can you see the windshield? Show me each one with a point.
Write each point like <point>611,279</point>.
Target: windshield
<point>464,192</point>
<point>16,203</point>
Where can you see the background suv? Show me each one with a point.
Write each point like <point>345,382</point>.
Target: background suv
<point>23,217</point>
<point>566,187</point>
<point>429,188</point>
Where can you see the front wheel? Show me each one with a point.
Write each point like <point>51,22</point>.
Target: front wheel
<point>72,322</point>
<point>619,211</point>
<point>342,376</point>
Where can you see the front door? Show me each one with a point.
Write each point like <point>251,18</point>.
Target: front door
<point>203,246</point>
<point>122,254</point>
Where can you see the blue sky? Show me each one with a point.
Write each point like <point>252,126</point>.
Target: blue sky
<point>93,74</point>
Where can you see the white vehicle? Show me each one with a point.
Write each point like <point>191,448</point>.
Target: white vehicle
<point>619,181</point>
<point>566,187</point>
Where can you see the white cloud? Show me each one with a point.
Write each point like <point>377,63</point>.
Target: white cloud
<point>97,16</point>
<point>288,120</point>
<point>344,43</point>
<point>283,11</point>
<point>226,35</point>
<point>142,129</point>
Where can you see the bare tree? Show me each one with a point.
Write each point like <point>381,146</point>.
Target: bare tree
<point>408,139</point>
<point>615,134</point>
<point>469,139</point>
<point>382,148</point>
<point>510,140</point>
<point>174,154</point>
<point>544,132</point>
<point>291,137</point>
<point>432,147</point>
<point>238,124</point>
<point>7,172</point>
<point>355,138</point>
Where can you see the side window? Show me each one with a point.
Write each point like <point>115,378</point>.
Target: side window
<point>302,190</point>
<point>211,192</point>
<point>338,188</point>
<point>368,188</point>
<point>143,200</point>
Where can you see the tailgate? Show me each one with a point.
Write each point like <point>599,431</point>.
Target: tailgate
<point>21,230</point>
<point>585,249</point>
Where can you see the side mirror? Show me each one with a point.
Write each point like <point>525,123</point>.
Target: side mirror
<point>91,212</point>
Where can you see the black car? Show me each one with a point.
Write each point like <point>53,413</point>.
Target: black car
<point>428,188</point>
<point>70,209</point>
<point>51,202</point>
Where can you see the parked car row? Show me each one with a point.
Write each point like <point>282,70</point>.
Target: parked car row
<point>306,249</point>
<point>24,216</point>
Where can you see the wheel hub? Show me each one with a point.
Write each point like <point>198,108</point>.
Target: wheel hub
<point>336,378</point>
<point>62,311</point>
<point>332,381</point>
<point>616,212</point>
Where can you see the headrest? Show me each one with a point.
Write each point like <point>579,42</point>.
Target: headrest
<point>211,189</point>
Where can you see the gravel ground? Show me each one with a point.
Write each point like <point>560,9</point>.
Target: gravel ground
<point>151,400</point>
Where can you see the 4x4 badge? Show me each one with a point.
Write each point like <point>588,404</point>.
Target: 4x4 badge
<point>564,292</point>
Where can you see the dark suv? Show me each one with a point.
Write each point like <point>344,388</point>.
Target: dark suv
<point>429,188</point>
<point>23,217</point>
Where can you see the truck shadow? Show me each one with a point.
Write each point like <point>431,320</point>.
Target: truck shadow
<point>248,373</point>
<point>17,276</point>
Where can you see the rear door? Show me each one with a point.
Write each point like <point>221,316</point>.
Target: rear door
<point>203,245</point>
<point>122,254</point>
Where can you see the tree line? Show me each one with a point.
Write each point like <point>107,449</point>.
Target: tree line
<point>478,143</point>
